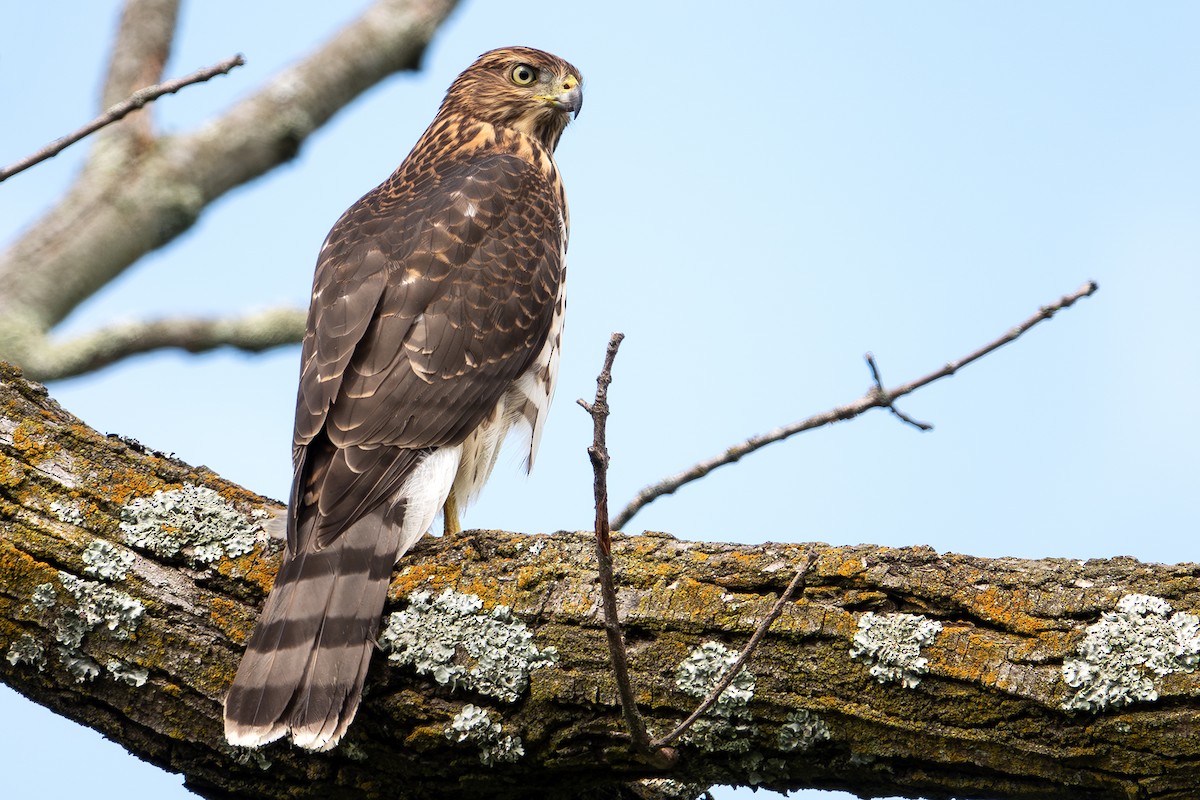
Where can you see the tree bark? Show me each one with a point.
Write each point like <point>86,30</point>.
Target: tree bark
<point>984,715</point>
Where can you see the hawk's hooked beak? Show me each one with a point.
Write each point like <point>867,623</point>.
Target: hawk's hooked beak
<point>571,99</point>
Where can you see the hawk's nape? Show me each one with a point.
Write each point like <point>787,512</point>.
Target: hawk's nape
<point>434,329</point>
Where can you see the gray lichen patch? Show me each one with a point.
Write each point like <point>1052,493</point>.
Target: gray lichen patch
<point>98,605</point>
<point>473,725</point>
<point>449,638</point>
<point>107,561</point>
<point>79,665</point>
<point>134,676</point>
<point>44,597</point>
<point>891,644</point>
<point>95,606</point>
<point>670,789</point>
<point>27,650</point>
<point>1120,653</point>
<point>726,725</point>
<point>194,521</point>
<point>69,631</point>
<point>67,512</point>
<point>802,731</point>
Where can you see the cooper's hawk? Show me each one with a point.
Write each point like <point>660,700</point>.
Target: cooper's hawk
<point>434,328</point>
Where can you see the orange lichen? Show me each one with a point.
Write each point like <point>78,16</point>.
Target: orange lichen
<point>232,493</point>
<point>847,567</point>
<point>257,567</point>
<point>33,442</point>
<point>529,578</point>
<point>486,589</point>
<point>18,568</point>
<point>423,575</point>
<point>690,598</point>
<point>999,604</point>
<point>12,472</point>
<point>123,485</point>
<point>231,618</point>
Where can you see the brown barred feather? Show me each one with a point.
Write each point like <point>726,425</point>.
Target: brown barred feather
<point>434,327</point>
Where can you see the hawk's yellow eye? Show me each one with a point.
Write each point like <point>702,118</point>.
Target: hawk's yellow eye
<point>523,75</point>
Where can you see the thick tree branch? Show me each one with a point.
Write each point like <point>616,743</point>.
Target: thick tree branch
<point>878,397</point>
<point>252,333</point>
<point>140,50</point>
<point>141,47</point>
<point>119,111</point>
<point>125,206</point>
<point>732,671</point>
<point>899,671</point>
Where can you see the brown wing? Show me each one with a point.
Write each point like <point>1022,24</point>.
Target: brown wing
<point>429,300</point>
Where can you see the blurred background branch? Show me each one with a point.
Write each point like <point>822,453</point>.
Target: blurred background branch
<point>138,191</point>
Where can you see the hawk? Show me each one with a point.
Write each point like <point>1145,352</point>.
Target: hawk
<point>435,328</point>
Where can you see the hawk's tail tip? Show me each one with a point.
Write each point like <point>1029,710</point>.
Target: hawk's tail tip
<point>315,738</point>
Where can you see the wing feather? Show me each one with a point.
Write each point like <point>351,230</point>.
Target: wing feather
<point>419,328</point>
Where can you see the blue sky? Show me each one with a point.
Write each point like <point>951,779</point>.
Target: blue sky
<point>760,193</point>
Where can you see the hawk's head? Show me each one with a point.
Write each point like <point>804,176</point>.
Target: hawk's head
<point>519,87</point>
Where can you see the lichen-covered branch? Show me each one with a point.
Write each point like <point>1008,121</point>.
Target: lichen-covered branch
<point>138,191</point>
<point>129,582</point>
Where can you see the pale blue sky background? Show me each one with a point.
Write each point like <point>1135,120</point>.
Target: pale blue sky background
<point>760,193</point>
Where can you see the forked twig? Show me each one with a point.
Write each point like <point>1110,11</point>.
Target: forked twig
<point>598,454</point>
<point>657,752</point>
<point>883,393</point>
<point>877,397</point>
<point>797,584</point>
<point>135,101</point>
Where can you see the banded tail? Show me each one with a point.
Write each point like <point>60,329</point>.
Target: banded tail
<point>304,667</point>
<point>303,670</point>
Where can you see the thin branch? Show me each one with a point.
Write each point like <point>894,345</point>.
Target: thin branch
<point>137,100</point>
<point>1044,313</point>
<point>882,392</point>
<point>797,584</point>
<point>251,333</point>
<point>141,46</point>
<point>876,398</point>
<point>598,454</point>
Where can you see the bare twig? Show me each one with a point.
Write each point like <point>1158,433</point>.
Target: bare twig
<point>883,393</point>
<point>876,398</point>
<point>137,100</point>
<point>797,584</point>
<point>598,454</point>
